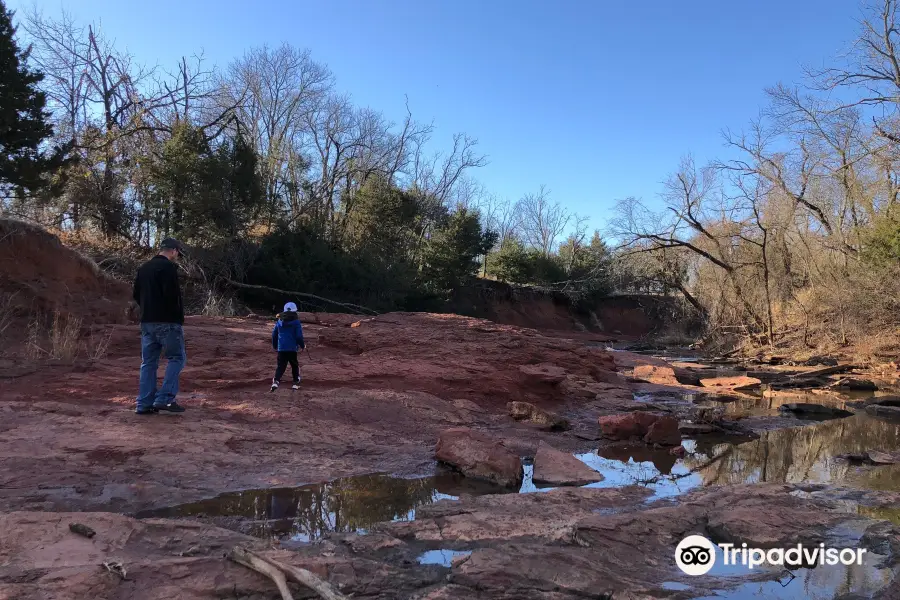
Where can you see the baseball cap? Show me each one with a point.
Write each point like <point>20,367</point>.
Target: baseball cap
<point>290,307</point>
<point>172,244</point>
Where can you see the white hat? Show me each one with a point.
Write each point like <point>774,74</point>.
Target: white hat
<point>290,307</point>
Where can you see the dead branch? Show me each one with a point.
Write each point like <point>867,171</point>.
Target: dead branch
<point>242,556</point>
<point>277,570</point>
<point>355,309</point>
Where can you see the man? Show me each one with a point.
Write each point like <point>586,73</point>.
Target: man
<point>158,293</point>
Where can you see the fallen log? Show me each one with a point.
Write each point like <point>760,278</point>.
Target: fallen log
<point>828,371</point>
<point>278,571</point>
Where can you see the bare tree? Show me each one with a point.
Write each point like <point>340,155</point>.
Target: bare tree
<point>501,216</point>
<point>542,220</point>
<point>439,174</point>
<point>873,65</point>
<point>275,91</point>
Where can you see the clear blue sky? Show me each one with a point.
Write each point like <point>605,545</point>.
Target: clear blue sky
<point>597,99</point>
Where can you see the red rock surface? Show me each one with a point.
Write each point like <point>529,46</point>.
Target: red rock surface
<point>479,456</point>
<point>374,399</point>
<point>563,544</point>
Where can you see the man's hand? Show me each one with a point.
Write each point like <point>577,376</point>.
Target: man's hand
<point>134,312</point>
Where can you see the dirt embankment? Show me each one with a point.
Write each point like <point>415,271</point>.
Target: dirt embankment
<point>38,274</point>
<point>614,317</point>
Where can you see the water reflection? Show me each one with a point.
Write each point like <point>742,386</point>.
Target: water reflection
<point>768,402</point>
<point>821,583</point>
<point>306,513</point>
<point>806,455</point>
<point>441,557</point>
<point>794,455</point>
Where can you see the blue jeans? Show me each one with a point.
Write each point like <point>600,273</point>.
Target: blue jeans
<point>157,339</point>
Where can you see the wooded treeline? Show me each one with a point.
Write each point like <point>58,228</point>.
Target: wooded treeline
<point>264,164</point>
<point>797,234</point>
<point>283,181</point>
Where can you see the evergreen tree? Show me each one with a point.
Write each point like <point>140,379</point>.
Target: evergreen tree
<point>23,119</point>
<point>451,256</point>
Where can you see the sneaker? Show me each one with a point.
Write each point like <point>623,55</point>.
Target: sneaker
<point>296,386</point>
<point>150,410</point>
<point>172,407</point>
<point>274,386</point>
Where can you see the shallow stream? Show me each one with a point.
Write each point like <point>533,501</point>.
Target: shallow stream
<point>800,454</point>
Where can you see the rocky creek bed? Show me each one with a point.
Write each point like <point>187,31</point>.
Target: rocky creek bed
<point>168,498</point>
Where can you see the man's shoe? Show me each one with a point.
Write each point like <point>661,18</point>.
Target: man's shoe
<point>150,410</point>
<point>172,407</point>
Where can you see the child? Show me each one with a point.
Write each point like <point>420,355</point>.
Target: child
<point>287,338</point>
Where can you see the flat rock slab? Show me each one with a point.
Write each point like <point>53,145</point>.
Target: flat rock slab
<point>810,408</point>
<point>734,383</point>
<point>557,468</point>
<point>872,457</point>
<point>860,385</point>
<point>666,375</point>
<point>543,373</point>
<point>887,412</point>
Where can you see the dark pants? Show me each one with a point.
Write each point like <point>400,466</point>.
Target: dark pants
<point>283,359</point>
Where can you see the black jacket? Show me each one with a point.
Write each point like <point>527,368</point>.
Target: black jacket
<point>157,291</point>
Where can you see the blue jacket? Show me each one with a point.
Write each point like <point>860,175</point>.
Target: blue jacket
<point>287,335</point>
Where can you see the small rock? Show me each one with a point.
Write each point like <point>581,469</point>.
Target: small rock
<point>626,426</point>
<point>652,428</point>
<point>81,529</point>
<point>664,432</point>
<point>478,455</point>
<point>678,451</point>
<point>554,467</point>
<point>525,411</point>
<point>543,373</point>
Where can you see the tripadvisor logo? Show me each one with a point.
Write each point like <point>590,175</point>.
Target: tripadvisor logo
<point>696,555</point>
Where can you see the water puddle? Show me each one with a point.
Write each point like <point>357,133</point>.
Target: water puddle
<point>816,583</point>
<point>307,513</point>
<point>824,583</point>
<point>442,557</point>
<point>795,455</point>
